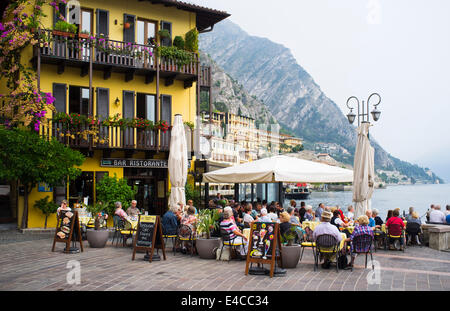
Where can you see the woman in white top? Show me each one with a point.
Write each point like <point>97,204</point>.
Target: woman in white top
<point>63,207</point>
<point>273,216</point>
<point>264,217</point>
<point>248,219</point>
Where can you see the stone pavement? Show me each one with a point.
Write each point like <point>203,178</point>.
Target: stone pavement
<point>30,265</point>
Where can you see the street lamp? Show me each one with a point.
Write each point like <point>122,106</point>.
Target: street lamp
<point>365,113</point>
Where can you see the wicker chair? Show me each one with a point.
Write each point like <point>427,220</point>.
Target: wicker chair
<point>185,234</point>
<point>362,244</point>
<point>326,244</point>
<point>228,241</point>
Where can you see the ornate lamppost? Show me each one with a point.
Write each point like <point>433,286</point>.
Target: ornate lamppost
<point>365,113</point>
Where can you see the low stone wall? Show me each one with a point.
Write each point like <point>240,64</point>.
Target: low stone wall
<point>436,236</point>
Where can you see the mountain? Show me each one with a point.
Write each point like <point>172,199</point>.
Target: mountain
<point>269,72</point>
<point>228,95</point>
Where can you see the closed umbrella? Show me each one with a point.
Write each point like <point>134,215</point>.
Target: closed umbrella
<point>363,171</point>
<point>178,162</point>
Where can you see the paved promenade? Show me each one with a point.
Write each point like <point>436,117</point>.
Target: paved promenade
<point>30,265</point>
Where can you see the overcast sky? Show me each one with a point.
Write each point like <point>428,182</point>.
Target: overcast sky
<point>398,48</point>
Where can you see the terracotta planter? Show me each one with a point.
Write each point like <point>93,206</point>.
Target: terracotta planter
<point>206,247</point>
<point>97,238</point>
<point>126,25</point>
<point>83,35</point>
<point>290,255</point>
<point>63,33</point>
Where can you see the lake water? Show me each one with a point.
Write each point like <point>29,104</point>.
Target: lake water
<point>418,196</point>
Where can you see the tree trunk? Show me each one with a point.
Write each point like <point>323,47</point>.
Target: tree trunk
<point>96,223</point>
<point>25,209</point>
<point>45,225</point>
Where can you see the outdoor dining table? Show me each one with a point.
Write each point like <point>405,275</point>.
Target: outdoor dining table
<point>85,220</point>
<point>310,224</point>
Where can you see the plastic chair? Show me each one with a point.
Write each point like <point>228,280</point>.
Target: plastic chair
<point>185,233</point>
<point>229,241</point>
<point>326,244</point>
<point>308,241</point>
<point>413,230</point>
<point>362,244</point>
<point>395,232</point>
<point>172,237</point>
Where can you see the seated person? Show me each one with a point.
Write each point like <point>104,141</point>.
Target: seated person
<point>285,224</point>
<point>325,227</point>
<point>414,230</point>
<point>309,215</point>
<point>189,218</point>
<point>169,221</point>
<point>371,220</point>
<point>437,216</point>
<point>63,207</point>
<point>264,217</point>
<point>272,214</point>
<point>248,218</point>
<point>351,212</point>
<point>133,211</point>
<point>337,221</point>
<point>378,220</point>
<point>361,228</point>
<point>294,219</point>
<point>394,226</point>
<point>234,233</point>
<point>123,215</point>
<point>191,203</point>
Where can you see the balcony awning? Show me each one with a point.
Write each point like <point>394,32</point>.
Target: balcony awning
<point>206,17</point>
<point>280,169</point>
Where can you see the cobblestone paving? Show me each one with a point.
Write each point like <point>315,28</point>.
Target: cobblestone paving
<point>30,265</point>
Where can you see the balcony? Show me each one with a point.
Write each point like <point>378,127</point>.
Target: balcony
<point>117,56</point>
<point>109,137</point>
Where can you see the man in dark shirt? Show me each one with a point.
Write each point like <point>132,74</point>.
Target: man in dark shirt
<point>170,221</point>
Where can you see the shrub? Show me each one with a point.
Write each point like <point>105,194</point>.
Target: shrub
<point>46,207</point>
<point>178,42</point>
<point>112,190</point>
<point>191,39</point>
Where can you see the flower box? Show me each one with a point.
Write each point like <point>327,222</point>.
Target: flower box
<point>63,33</point>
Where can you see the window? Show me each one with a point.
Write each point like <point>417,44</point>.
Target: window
<point>128,33</point>
<point>103,103</point>
<point>146,32</point>
<point>146,106</point>
<point>168,26</point>
<point>166,109</point>
<point>102,22</point>
<point>59,92</point>
<point>78,100</point>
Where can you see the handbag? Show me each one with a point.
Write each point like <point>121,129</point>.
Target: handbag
<point>342,261</point>
<point>223,254</point>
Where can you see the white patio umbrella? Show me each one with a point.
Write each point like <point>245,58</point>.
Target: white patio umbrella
<point>178,162</point>
<point>279,169</point>
<point>363,171</point>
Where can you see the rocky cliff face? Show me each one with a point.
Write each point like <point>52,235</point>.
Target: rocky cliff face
<point>228,95</point>
<point>270,72</point>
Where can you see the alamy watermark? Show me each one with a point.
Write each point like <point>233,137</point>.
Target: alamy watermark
<point>74,274</point>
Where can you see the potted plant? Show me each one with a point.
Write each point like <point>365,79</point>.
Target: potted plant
<point>164,33</point>
<point>84,34</point>
<point>46,207</point>
<point>207,222</point>
<point>98,236</point>
<point>64,29</point>
<point>127,25</point>
<point>290,252</point>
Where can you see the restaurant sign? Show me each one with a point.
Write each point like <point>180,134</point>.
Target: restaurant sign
<point>139,163</point>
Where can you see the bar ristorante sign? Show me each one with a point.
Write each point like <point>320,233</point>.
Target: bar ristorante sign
<point>139,163</point>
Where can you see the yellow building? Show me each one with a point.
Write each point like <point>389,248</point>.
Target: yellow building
<point>118,75</point>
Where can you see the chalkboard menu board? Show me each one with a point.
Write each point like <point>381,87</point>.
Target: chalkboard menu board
<point>67,229</point>
<point>146,229</point>
<point>262,244</point>
<point>148,236</point>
